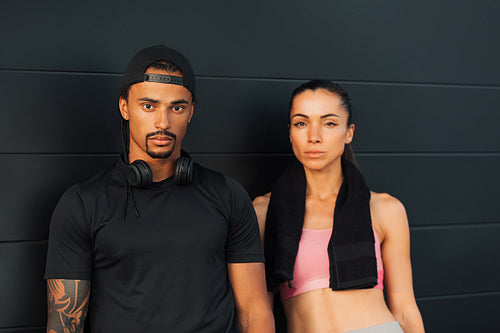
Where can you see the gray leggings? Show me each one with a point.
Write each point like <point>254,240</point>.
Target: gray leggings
<point>391,327</point>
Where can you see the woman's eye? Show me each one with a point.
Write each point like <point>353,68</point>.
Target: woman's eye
<point>299,124</point>
<point>331,124</point>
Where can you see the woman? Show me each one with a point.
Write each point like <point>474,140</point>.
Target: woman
<point>331,245</point>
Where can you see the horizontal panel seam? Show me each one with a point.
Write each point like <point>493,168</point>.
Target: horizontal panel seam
<point>454,296</point>
<point>431,154</point>
<point>360,82</point>
<point>21,327</point>
<point>269,78</point>
<point>31,242</point>
<point>456,225</point>
<point>277,154</point>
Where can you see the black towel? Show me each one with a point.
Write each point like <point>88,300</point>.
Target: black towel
<point>351,249</point>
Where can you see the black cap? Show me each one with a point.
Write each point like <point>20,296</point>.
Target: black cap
<point>145,57</point>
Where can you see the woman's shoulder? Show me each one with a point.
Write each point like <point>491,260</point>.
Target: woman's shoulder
<point>385,202</point>
<point>260,205</point>
<point>262,200</point>
<point>388,213</point>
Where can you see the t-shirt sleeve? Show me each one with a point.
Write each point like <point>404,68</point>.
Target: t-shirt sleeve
<point>243,241</point>
<point>69,254</point>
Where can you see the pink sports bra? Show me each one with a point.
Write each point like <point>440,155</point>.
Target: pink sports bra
<point>312,265</point>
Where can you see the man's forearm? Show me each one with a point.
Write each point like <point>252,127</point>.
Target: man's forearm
<point>262,322</point>
<point>67,304</point>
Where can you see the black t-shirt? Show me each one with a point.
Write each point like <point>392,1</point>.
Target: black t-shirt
<point>164,271</point>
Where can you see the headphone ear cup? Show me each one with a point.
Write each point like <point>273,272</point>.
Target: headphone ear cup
<point>139,174</point>
<point>183,170</point>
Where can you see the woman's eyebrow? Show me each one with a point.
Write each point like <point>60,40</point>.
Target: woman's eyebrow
<point>323,116</point>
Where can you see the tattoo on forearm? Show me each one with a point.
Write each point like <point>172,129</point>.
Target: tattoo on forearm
<point>67,303</point>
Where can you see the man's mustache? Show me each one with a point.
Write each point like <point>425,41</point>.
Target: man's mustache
<point>161,133</point>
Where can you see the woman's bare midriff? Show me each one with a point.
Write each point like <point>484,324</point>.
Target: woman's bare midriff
<point>328,311</point>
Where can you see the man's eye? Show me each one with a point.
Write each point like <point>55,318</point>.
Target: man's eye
<point>178,108</point>
<point>148,106</point>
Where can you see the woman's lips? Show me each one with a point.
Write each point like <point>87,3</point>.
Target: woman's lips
<point>314,153</point>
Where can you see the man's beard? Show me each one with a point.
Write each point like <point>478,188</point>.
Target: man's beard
<point>164,154</point>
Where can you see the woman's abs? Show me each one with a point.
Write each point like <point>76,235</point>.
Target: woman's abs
<point>324,310</point>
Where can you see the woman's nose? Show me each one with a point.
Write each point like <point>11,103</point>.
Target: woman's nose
<point>314,134</point>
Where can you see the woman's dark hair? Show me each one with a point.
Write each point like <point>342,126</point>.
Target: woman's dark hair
<point>345,101</point>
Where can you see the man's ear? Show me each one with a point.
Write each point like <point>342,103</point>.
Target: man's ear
<point>191,115</point>
<point>123,106</point>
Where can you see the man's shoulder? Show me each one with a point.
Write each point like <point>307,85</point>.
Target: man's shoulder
<point>204,173</point>
<point>95,183</point>
<point>107,174</point>
<point>210,177</point>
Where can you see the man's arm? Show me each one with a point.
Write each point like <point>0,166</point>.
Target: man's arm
<point>67,304</point>
<point>250,295</point>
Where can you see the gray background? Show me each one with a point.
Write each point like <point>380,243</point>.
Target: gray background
<point>424,79</point>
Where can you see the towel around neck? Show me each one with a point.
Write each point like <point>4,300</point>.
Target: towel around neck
<point>351,248</point>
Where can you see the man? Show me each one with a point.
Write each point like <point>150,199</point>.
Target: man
<point>157,244</point>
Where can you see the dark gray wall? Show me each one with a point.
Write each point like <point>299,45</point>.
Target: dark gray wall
<point>423,75</point>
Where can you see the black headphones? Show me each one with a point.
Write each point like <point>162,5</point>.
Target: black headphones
<point>139,173</point>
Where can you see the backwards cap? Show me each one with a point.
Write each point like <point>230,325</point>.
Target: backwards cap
<point>145,57</point>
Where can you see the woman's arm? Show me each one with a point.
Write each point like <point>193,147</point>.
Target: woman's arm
<point>389,217</point>
<point>260,205</point>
